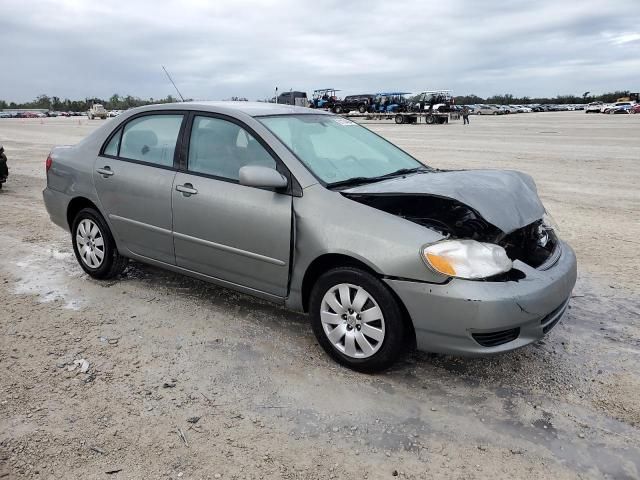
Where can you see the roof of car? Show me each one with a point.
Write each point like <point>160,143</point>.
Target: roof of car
<point>254,109</point>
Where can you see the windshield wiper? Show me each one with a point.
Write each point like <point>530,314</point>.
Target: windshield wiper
<point>362,180</point>
<point>403,171</point>
<point>352,181</point>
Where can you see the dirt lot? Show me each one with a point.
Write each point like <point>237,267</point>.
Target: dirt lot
<point>187,380</point>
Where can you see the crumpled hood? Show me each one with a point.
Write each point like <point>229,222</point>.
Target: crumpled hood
<point>505,198</point>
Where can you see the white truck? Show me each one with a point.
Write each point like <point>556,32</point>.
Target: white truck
<point>97,111</point>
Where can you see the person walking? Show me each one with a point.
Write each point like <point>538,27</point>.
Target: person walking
<point>465,115</point>
<point>4,170</point>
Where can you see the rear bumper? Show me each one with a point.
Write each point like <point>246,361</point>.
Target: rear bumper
<point>56,204</point>
<point>477,318</point>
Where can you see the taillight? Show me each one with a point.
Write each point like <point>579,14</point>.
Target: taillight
<point>48,162</point>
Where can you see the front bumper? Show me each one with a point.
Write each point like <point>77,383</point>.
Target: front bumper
<point>447,316</point>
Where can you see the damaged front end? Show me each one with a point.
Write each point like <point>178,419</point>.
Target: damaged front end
<point>535,244</point>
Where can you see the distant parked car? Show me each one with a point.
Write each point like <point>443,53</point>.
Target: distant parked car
<point>361,103</point>
<point>505,109</point>
<point>619,107</point>
<point>635,108</point>
<point>511,108</point>
<point>593,107</point>
<point>489,110</point>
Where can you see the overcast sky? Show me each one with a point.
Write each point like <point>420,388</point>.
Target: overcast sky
<point>217,49</point>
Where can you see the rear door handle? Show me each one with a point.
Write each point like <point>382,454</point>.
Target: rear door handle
<point>186,189</point>
<point>105,171</point>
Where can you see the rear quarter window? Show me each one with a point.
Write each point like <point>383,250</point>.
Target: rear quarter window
<point>114,144</point>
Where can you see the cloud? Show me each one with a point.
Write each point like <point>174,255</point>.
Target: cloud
<point>73,48</point>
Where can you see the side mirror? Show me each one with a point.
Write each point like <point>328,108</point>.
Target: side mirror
<point>264,177</point>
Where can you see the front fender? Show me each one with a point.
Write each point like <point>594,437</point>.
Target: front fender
<point>328,223</point>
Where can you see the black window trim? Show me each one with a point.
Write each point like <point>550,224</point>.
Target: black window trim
<point>120,130</point>
<point>293,186</point>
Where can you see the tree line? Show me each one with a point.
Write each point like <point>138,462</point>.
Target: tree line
<point>56,104</point>
<point>118,102</point>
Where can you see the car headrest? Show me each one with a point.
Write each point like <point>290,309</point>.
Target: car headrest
<point>140,138</point>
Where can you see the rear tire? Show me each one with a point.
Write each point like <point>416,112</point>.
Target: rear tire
<point>94,246</point>
<point>399,119</point>
<point>369,337</point>
<point>337,109</point>
<point>362,109</point>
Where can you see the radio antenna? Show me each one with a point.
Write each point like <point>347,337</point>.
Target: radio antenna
<point>174,85</point>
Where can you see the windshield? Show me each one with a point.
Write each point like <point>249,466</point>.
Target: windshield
<point>336,149</point>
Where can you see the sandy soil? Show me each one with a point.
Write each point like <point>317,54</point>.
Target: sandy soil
<point>188,380</point>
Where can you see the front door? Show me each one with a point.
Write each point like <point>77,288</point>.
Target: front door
<point>225,230</point>
<point>133,176</point>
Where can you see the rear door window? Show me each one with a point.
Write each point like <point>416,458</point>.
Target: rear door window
<point>151,139</point>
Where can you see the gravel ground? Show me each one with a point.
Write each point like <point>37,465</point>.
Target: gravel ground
<point>188,380</point>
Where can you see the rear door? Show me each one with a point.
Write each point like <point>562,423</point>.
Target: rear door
<point>225,230</point>
<point>134,175</point>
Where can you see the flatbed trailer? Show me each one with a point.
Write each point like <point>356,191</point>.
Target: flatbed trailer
<point>429,118</point>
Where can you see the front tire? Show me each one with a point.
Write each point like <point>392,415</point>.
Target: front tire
<point>357,320</point>
<point>94,246</point>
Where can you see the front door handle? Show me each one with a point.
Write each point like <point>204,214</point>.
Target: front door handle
<point>186,189</point>
<point>105,171</point>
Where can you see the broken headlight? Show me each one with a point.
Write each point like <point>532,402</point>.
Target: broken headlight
<point>549,222</point>
<point>466,259</point>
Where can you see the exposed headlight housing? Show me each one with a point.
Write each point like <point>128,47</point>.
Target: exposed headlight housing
<point>549,222</point>
<point>466,259</point>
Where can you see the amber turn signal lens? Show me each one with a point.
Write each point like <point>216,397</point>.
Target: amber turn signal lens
<point>441,264</point>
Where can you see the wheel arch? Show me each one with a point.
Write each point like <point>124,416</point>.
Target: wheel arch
<point>326,262</point>
<point>75,205</point>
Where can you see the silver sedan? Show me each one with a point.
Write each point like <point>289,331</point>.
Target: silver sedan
<point>315,212</point>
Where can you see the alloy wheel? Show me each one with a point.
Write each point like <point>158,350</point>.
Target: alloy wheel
<point>352,320</point>
<point>90,243</point>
